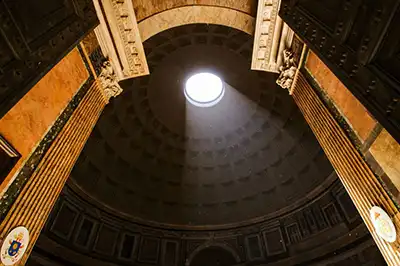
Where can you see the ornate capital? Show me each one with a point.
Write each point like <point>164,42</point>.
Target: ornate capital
<point>108,81</point>
<point>287,71</point>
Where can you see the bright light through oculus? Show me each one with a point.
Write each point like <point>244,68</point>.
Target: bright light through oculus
<point>204,89</point>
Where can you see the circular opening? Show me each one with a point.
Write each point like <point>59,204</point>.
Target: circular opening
<point>204,89</point>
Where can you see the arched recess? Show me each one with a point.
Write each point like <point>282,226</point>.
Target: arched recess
<point>196,14</point>
<point>208,246</point>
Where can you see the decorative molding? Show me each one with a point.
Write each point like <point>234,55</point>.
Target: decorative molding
<point>271,37</point>
<point>120,39</point>
<point>266,20</point>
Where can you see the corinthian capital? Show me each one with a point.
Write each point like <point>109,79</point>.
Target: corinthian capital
<point>287,70</point>
<point>108,81</point>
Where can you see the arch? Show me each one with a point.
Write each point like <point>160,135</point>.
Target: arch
<point>146,8</point>
<point>196,14</point>
<point>212,244</point>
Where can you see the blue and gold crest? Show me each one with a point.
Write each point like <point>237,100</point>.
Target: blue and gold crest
<point>14,248</point>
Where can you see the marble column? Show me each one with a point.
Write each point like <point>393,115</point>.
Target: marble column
<point>358,179</point>
<point>275,40</point>
<point>41,191</point>
<point>282,43</point>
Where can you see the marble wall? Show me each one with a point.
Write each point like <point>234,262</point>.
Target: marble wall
<point>196,14</point>
<point>386,151</point>
<point>146,8</point>
<point>28,121</point>
<point>354,112</point>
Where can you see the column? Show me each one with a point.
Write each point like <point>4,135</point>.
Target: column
<point>275,40</point>
<point>282,44</point>
<point>38,196</point>
<point>356,176</point>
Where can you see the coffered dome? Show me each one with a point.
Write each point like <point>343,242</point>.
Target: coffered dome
<point>157,159</point>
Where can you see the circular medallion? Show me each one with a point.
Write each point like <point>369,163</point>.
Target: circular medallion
<point>14,245</point>
<point>383,224</point>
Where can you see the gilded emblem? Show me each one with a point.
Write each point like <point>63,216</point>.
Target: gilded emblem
<point>384,226</point>
<point>14,246</point>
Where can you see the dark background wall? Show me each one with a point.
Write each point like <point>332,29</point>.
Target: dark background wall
<point>327,230</point>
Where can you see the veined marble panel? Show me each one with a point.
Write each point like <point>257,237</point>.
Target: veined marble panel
<point>386,151</point>
<point>146,8</point>
<point>196,14</point>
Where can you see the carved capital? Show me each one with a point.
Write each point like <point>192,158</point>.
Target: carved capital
<point>287,71</point>
<point>108,81</point>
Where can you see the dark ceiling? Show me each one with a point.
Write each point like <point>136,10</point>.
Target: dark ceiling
<point>155,158</point>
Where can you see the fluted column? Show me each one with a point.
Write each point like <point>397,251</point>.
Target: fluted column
<point>356,176</point>
<point>38,196</point>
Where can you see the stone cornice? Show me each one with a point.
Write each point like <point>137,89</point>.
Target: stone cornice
<point>267,14</point>
<point>121,37</point>
<point>271,37</point>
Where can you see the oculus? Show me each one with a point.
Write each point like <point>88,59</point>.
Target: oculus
<point>204,89</point>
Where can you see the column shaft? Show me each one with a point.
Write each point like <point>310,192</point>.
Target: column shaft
<point>41,191</point>
<point>356,176</point>
<point>275,41</point>
<point>282,44</point>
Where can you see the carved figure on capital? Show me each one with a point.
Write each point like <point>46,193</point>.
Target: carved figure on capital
<point>108,81</point>
<point>287,71</point>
